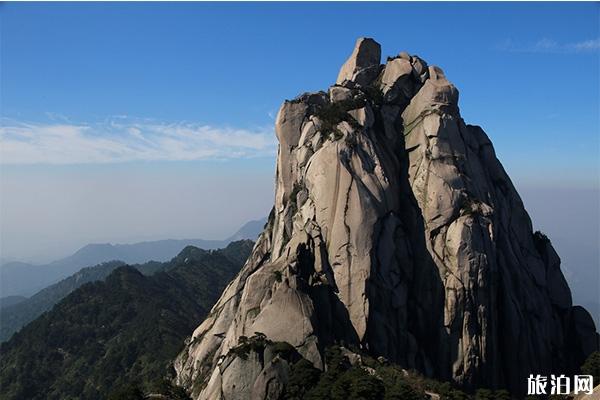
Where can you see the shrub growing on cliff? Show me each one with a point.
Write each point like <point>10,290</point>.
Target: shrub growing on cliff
<point>591,366</point>
<point>540,240</point>
<point>303,376</point>
<point>332,114</point>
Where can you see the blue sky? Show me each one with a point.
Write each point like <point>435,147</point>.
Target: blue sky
<point>104,102</point>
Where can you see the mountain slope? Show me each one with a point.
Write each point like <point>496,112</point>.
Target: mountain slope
<point>123,330</point>
<point>11,301</point>
<point>17,278</point>
<point>396,230</point>
<point>15,316</point>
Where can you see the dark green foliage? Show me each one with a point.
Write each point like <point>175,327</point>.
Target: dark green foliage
<point>448,392</point>
<point>402,391</point>
<point>303,376</point>
<point>357,384</point>
<point>335,134</point>
<point>337,364</point>
<point>370,379</point>
<point>397,386</point>
<point>591,366</point>
<point>374,94</point>
<point>256,343</point>
<point>484,394</point>
<point>471,206</point>
<point>166,388</point>
<point>501,395</point>
<point>295,190</point>
<point>293,198</point>
<point>14,317</point>
<point>120,333</point>
<point>126,392</point>
<point>237,252</point>
<point>342,381</point>
<point>331,114</point>
<point>540,240</point>
<point>351,141</point>
<point>278,276</point>
<point>284,349</point>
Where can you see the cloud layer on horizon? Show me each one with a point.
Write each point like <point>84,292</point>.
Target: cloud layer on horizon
<point>124,140</point>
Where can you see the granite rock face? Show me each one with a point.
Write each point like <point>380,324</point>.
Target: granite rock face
<point>363,65</point>
<point>395,229</point>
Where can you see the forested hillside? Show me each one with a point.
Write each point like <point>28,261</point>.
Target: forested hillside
<point>121,331</point>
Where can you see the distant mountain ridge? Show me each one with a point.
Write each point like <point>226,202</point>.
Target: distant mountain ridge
<point>22,279</point>
<point>10,301</point>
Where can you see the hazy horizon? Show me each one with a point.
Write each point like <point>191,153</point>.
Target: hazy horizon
<point>554,210</point>
<point>126,204</point>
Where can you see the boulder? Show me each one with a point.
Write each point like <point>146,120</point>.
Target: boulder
<point>363,65</point>
<point>397,80</point>
<point>339,93</point>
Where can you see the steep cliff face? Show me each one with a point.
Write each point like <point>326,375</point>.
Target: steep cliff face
<point>395,229</point>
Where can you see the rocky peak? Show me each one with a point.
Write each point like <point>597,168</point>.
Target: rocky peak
<point>395,229</point>
<point>363,65</point>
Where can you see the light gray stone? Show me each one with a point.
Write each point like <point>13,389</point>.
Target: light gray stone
<point>404,55</point>
<point>397,80</point>
<point>339,93</point>
<point>364,116</point>
<point>363,65</point>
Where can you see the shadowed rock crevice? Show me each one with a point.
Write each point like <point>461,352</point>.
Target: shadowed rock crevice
<point>396,231</point>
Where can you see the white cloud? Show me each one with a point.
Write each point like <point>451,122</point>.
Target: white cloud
<point>122,139</point>
<point>546,45</point>
<point>588,45</point>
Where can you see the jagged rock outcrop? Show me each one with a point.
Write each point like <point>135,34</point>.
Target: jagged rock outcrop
<point>363,65</point>
<point>395,229</point>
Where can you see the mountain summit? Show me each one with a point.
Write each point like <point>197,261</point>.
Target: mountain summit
<point>395,231</point>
